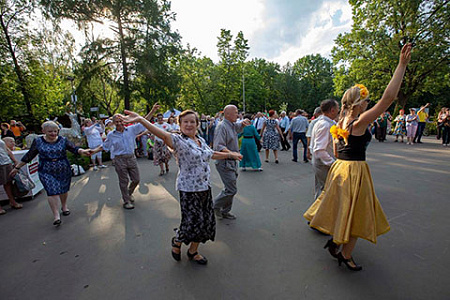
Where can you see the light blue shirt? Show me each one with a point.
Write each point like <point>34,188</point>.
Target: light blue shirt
<point>284,123</point>
<point>120,143</point>
<point>298,124</point>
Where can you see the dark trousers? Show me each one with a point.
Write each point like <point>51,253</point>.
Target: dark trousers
<point>381,133</point>
<point>419,133</point>
<point>445,135</point>
<point>258,143</point>
<point>302,137</point>
<point>284,142</point>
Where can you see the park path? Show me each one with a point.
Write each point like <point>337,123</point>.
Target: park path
<point>105,252</point>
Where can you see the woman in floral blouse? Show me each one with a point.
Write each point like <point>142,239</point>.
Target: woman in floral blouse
<point>198,224</point>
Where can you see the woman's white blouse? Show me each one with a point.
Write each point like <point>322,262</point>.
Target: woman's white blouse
<point>193,162</point>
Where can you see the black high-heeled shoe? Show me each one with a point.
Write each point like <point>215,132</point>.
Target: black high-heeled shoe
<point>342,259</point>
<point>332,248</point>
<point>176,256</point>
<point>202,261</point>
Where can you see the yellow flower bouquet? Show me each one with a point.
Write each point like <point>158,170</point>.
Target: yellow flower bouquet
<point>338,133</point>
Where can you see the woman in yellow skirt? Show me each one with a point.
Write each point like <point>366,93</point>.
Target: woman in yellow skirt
<point>348,208</point>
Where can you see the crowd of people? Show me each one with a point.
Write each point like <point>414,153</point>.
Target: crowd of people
<point>335,140</point>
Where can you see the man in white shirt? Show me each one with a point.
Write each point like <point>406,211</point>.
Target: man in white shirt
<point>317,114</point>
<point>258,122</point>
<point>322,144</point>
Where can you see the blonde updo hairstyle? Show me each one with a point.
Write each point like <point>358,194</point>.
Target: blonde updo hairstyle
<point>352,97</point>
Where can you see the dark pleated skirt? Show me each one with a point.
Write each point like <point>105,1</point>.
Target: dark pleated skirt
<point>198,223</point>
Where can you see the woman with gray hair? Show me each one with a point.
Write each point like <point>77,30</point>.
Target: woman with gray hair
<point>54,168</point>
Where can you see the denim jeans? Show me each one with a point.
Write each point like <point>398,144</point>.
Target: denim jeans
<point>302,137</point>
<point>419,133</point>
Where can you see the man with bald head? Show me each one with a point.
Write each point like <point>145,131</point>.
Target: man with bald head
<point>226,140</point>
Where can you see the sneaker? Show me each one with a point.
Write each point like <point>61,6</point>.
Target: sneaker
<point>128,205</point>
<point>218,213</point>
<point>103,166</point>
<point>244,169</point>
<point>228,216</point>
<point>260,169</point>
<point>95,168</point>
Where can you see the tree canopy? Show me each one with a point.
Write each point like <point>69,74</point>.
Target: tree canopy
<point>141,60</point>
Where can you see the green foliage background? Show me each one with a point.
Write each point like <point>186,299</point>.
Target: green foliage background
<point>143,61</point>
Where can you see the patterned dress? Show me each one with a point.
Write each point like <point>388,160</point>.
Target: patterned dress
<point>400,127</point>
<point>198,223</point>
<point>161,153</point>
<point>54,168</point>
<point>271,137</point>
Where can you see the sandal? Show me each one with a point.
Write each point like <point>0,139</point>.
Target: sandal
<point>161,173</point>
<point>17,206</point>
<point>201,261</point>
<point>57,223</point>
<point>2,212</point>
<point>65,213</point>
<point>176,256</point>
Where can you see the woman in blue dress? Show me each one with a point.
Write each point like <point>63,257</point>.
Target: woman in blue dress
<point>54,168</point>
<point>271,134</point>
<point>249,151</point>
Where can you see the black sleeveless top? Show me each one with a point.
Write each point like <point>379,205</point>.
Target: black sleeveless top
<point>356,147</point>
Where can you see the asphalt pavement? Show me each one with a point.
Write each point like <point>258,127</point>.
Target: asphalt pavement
<point>102,251</point>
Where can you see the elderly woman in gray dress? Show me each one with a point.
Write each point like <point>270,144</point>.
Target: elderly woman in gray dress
<point>198,224</point>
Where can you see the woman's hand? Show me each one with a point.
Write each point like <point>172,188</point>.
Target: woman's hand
<point>131,117</point>
<point>85,152</point>
<point>236,155</point>
<point>405,54</point>
<point>13,172</point>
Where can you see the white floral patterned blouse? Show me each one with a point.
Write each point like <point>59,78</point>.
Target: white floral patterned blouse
<point>193,162</point>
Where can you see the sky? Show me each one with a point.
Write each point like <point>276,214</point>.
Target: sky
<point>277,30</point>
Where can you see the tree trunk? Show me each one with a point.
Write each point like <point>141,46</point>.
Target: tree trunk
<point>17,69</point>
<point>123,55</point>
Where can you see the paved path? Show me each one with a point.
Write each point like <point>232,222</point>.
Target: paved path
<point>104,252</point>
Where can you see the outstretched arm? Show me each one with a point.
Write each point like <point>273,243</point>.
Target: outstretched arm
<point>155,107</point>
<point>391,91</point>
<point>226,155</point>
<point>132,117</point>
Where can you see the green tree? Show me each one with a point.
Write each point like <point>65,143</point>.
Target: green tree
<point>14,40</point>
<point>369,53</point>
<point>140,29</point>
<point>315,75</point>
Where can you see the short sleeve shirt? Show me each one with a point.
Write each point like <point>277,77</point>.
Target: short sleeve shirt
<point>193,162</point>
<point>4,157</point>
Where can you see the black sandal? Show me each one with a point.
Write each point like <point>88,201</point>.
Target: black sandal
<point>161,173</point>
<point>65,213</point>
<point>176,256</point>
<point>57,223</point>
<point>332,248</point>
<point>342,259</point>
<point>202,261</point>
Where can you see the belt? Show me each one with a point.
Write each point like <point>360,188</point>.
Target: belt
<point>51,159</point>
<point>248,137</point>
<point>124,155</point>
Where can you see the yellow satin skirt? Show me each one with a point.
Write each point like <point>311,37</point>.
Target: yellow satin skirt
<point>348,206</point>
